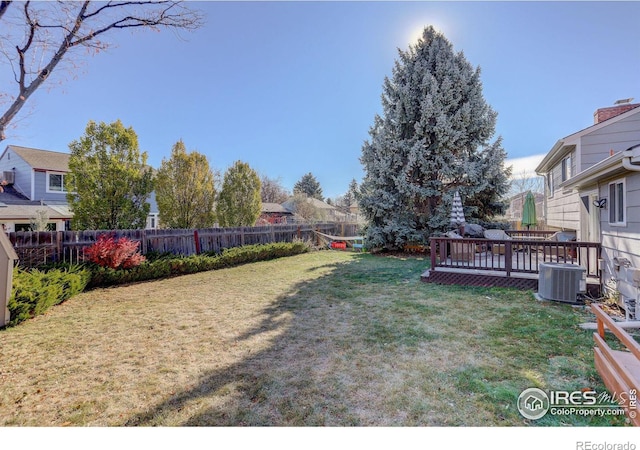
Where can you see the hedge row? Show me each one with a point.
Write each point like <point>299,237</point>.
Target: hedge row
<point>35,291</point>
<point>166,267</point>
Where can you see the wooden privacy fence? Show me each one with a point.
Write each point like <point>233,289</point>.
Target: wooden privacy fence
<point>35,248</point>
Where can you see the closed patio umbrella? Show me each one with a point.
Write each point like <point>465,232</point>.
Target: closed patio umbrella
<point>529,211</point>
<point>457,213</point>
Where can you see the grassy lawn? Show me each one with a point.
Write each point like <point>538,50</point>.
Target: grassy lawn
<point>325,338</point>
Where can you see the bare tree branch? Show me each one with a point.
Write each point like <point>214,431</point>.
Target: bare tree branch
<point>51,30</point>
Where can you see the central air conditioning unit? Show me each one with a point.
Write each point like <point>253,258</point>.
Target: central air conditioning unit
<point>561,282</point>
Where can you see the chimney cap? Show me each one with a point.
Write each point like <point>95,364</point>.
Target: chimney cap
<point>623,101</point>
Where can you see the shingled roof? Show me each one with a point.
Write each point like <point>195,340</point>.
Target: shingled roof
<point>42,159</point>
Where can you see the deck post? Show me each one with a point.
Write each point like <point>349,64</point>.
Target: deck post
<point>432,248</point>
<point>508,257</point>
<point>600,327</point>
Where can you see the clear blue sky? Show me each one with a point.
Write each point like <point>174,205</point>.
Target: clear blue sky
<point>292,87</point>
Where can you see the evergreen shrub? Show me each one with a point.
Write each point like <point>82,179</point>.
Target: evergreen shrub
<point>35,291</point>
<point>182,265</point>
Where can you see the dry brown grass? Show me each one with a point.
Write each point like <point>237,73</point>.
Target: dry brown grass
<point>326,338</point>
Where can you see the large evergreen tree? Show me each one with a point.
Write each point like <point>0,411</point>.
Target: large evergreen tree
<point>309,186</point>
<point>185,190</point>
<point>239,202</point>
<point>109,181</point>
<point>349,198</point>
<point>433,138</point>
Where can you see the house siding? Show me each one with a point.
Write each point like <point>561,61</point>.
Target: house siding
<point>41,190</point>
<point>22,183</point>
<point>563,208</point>
<point>621,241</point>
<point>617,136</point>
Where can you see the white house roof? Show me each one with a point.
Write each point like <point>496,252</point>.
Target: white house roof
<point>41,159</point>
<point>26,212</point>
<point>320,204</point>
<point>274,208</point>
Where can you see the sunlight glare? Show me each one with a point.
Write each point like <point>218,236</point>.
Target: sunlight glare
<point>415,31</point>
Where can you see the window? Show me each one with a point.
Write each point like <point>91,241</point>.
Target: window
<point>28,227</point>
<point>550,184</point>
<point>566,168</point>
<point>617,203</point>
<point>56,182</point>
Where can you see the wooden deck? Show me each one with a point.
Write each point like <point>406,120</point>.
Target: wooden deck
<point>619,369</point>
<point>507,263</point>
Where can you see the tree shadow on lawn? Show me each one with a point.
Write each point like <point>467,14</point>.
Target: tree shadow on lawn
<point>304,377</point>
<point>368,344</point>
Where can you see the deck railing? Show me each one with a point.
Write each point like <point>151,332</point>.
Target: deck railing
<point>512,256</point>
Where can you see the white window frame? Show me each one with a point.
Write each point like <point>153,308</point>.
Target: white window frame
<point>566,168</point>
<point>550,185</point>
<point>53,191</point>
<point>613,203</point>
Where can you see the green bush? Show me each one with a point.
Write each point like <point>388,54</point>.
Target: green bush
<point>166,266</point>
<point>35,291</point>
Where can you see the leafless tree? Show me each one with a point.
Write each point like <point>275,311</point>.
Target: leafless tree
<point>525,181</point>
<point>272,191</point>
<point>35,37</point>
<point>39,220</point>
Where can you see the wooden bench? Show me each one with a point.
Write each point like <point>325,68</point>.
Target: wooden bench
<point>619,369</point>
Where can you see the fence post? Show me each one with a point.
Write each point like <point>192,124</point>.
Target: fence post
<point>59,235</point>
<point>196,240</point>
<point>143,242</point>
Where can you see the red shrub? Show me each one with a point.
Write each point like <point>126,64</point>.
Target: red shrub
<point>116,253</point>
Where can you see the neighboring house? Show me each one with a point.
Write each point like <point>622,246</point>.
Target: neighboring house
<point>36,174</point>
<point>36,178</point>
<point>593,187</point>
<point>153,219</point>
<point>275,213</point>
<point>615,130</point>
<point>324,211</point>
<point>17,213</point>
<point>513,214</point>
<point>351,212</point>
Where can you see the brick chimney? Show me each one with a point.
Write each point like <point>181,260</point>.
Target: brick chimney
<point>621,106</point>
